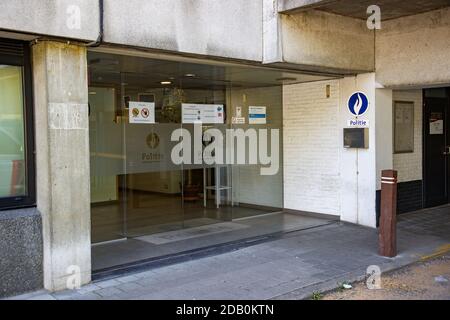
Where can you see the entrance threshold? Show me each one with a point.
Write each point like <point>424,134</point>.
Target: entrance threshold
<point>171,259</point>
<point>108,242</point>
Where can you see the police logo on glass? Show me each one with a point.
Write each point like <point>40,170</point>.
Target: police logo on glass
<point>358,103</point>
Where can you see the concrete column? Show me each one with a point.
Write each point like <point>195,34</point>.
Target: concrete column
<point>62,158</point>
<point>272,46</point>
<point>361,168</point>
<point>358,166</point>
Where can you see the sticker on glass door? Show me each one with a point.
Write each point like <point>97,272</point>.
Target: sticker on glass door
<point>436,123</point>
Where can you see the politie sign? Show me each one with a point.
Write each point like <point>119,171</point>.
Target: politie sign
<point>358,104</point>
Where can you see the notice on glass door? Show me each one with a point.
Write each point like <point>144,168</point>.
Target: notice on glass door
<point>142,112</point>
<point>257,115</point>
<point>436,123</point>
<point>203,113</point>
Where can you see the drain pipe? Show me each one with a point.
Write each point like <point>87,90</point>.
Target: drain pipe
<point>99,40</point>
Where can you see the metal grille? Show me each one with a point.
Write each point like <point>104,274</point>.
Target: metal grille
<point>11,48</point>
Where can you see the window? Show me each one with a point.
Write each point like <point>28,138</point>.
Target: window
<point>16,127</point>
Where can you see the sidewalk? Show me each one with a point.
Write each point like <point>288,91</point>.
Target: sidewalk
<point>292,267</point>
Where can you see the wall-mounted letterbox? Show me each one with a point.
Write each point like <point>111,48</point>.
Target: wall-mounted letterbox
<point>356,138</point>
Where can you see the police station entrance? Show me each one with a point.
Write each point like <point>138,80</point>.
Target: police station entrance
<point>184,156</point>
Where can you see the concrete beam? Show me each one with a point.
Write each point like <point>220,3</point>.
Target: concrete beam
<point>73,19</point>
<point>327,41</point>
<point>413,52</point>
<point>291,6</point>
<point>228,29</point>
<point>62,144</point>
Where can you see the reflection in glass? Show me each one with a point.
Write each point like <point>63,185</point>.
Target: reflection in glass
<point>161,207</point>
<point>12,141</point>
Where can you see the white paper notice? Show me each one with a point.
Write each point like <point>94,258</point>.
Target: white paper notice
<point>437,127</point>
<point>142,112</point>
<point>202,113</point>
<point>236,120</point>
<point>257,115</point>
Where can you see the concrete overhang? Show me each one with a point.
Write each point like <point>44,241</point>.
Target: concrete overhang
<point>390,9</point>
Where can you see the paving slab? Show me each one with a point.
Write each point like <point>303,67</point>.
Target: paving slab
<point>291,267</point>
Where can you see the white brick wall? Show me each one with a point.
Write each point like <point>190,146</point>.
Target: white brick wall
<point>311,147</point>
<point>409,165</point>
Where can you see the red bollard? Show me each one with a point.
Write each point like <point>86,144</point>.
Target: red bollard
<point>388,215</point>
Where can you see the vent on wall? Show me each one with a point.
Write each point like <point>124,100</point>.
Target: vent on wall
<point>11,48</point>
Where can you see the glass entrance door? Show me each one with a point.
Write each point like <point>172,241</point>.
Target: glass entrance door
<point>161,182</point>
<point>106,163</point>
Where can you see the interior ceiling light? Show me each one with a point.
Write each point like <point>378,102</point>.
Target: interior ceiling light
<point>166,82</point>
<point>190,75</point>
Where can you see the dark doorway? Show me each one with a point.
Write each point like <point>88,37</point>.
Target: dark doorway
<point>436,147</point>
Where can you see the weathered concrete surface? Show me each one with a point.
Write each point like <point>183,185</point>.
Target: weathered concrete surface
<point>414,51</point>
<point>20,252</point>
<point>326,40</point>
<point>357,167</point>
<point>76,19</point>
<point>62,144</point>
<point>292,267</point>
<point>390,9</point>
<point>230,29</point>
<point>290,6</point>
<point>272,44</point>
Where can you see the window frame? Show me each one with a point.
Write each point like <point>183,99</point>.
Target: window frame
<point>23,61</point>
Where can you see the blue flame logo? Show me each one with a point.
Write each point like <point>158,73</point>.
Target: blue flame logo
<point>358,103</point>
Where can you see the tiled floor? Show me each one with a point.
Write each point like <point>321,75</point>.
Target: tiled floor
<point>288,268</point>
<point>144,213</point>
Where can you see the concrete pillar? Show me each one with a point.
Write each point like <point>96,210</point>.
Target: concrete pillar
<point>358,166</point>
<point>62,159</point>
<point>361,168</point>
<point>272,46</point>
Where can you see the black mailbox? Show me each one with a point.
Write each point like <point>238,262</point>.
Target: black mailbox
<point>356,138</point>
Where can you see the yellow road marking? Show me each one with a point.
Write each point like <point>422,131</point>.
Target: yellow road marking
<point>439,252</point>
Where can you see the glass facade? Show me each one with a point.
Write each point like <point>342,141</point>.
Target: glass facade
<point>145,116</point>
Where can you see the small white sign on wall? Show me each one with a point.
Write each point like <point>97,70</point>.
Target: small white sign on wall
<point>257,115</point>
<point>142,112</point>
<point>358,123</point>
